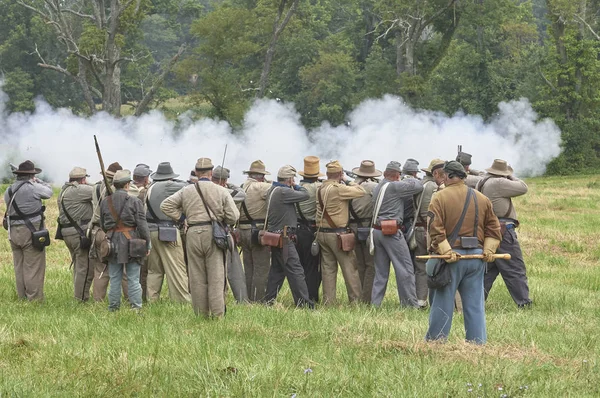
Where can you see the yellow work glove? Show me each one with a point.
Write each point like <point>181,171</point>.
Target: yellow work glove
<point>489,248</point>
<point>444,248</point>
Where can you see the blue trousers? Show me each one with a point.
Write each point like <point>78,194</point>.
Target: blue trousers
<point>467,278</point>
<point>115,272</point>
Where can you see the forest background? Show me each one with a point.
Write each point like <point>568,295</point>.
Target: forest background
<point>214,58</point>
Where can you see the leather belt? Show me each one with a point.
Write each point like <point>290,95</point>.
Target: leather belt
<point>199,224</point>
<point>248,222</point>
<point>124,230</point>
<point>332,230</point>
<point>360,220</point>
<point>421,224</point>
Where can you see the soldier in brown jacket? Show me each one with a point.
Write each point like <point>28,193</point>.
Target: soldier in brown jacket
<point>202,203</point>
<point>480,222</point>
<point>333,197</point>
<point>500,186</point>
<point>257,258</point>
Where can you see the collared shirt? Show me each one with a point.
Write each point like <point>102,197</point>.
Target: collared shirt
<point>77,199</point>
<point>393,203</point>
<point>28,198</point>
<point>280,201</point>
<point>335,197</point>
<point>446,208</point>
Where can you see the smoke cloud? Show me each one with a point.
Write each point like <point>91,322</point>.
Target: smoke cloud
<point>383,129</point>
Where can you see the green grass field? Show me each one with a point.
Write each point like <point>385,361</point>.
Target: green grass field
<point>61,348</point>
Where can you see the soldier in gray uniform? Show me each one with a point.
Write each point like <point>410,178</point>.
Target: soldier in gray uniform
<point>166,258</point>
<point>235,269</point>
<point>123,218</point>
<point>305,234</point>
<point>392,246</point>
<point>75,212</point>
<point>361,216</point>
<point>281,218</point>
<point>500,186</point>
<point>430,186</point>
<point>27,194</point>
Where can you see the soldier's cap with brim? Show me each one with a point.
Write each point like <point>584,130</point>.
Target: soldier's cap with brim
<point>142,171</point>
<point>204,164</point>
<point>122,176</point>
<point>164,172</point>
<point>78,172</point>
<point>464,158</point>
<point>286,171</point>
<point>455,167</point>
<point>367,169</point>
<point>27,167</point>
<point>257,167</point>
<point>394,166</point>
<point>434,165</point>
<point>500,168</point>
<point>221,173</point>
<point>334,167</point>
<point>411,166</point>
<point>112,169</point>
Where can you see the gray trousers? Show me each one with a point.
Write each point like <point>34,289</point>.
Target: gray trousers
<point>419,265</point>
<point>393,248</point>
<point>513,271</point>
<point>256,266</point>
<point>290,268</point>
<point>235,275</point>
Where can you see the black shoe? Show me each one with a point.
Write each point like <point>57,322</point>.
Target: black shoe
<point>526,305</point>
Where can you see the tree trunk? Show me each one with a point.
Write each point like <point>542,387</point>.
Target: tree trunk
<point>400,65</point>
<point>85,88</point>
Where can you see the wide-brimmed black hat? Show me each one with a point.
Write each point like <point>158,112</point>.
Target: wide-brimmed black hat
<point>27,167</point>
<point>164,171</point>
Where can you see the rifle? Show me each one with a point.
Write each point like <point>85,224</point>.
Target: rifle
<point>350,174</point>
<point>106,183</point>
<point>464,256</point>
<point>13,167</point>
<point>223,164</point>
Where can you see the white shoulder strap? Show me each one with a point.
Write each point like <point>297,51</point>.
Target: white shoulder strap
<point>268,206</point>
<point>379,201</point>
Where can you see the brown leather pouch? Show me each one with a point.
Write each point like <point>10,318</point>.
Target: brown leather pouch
<point>389,227</point>
<point>346,241</point>
<point>270,239</point>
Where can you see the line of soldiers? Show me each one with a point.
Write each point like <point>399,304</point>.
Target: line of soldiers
<point>321,224</point>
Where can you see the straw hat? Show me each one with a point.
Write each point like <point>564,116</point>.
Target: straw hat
<point>499,168</point>
<point>367,169</point>
<point>311,167</point>
<point>257,167</point>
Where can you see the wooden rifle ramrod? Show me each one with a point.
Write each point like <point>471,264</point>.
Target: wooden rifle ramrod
<point>465,256</point>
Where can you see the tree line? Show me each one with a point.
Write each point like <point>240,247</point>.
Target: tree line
<point>326,56</point>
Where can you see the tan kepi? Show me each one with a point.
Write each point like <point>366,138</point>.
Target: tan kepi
<point>334,167</point>
<point>258,167</point>
<point>78,172</point>
<point>122,176</point>
<point>499,168</point>
<point>311,167</point>
<point>434,164</point>
<point>367,169</point>
<point>203,164</point>
<point>286,171</point>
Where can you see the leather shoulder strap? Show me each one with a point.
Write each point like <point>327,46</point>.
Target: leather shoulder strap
<point>325,213</point>
<point>454,235</point>
<point>71,220</point>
